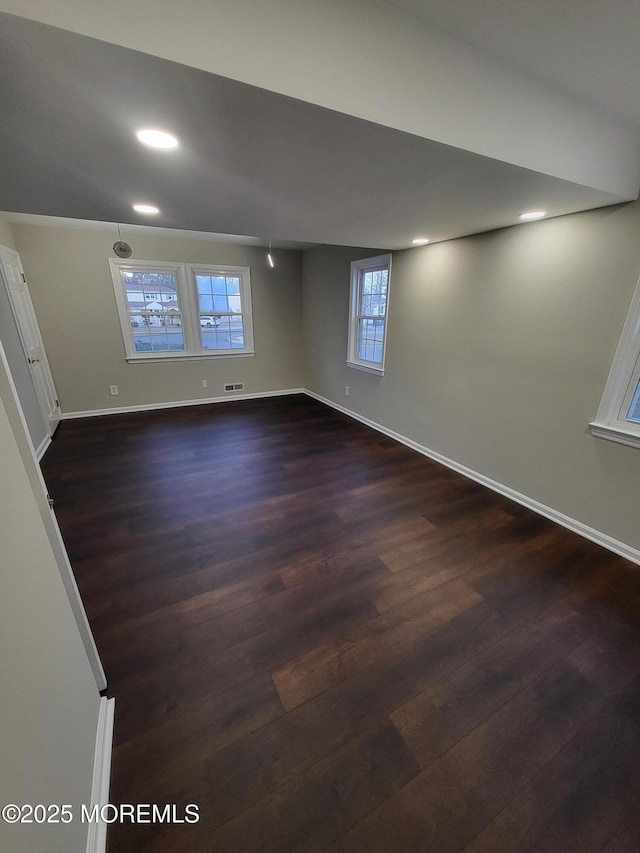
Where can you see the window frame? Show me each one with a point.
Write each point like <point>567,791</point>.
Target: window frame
<point>188,306</point>
<point>358,268</point>
<point>611,421</point>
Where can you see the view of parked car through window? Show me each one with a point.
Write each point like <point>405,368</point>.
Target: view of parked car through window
<point>180,309</point>
<point>154,311</point>
<point>208,322</point>
<point>220,293</point>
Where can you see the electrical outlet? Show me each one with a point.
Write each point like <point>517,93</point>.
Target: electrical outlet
<point>346,391</point>
<point>205,384</point>
<point>114,390</point>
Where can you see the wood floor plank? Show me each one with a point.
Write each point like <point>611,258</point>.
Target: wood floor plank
<point>435,720</point>
<point>446,805</point>
<point>436,540</point>
<point>626,838</point>
<point>609,657</point>
<point>317,807</point>
<point>578,800</point>
<point>372,643</point>
<point>401,587</point>
<point>258,617</point>
<point>161,692</point>
<point>364,541</point>
<point>185,735</point>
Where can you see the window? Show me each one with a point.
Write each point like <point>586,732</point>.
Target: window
<point>170,310</point>
<point>618,417</point>
<point>221,315</point>
<point>368,311</point>
<point>633,413</point>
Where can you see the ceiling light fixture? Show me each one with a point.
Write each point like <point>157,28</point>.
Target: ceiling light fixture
<point>155,138</point>
<point>148,209</point>
<point>533,214</point>
<point>270,256</point>
<point>420,241</point>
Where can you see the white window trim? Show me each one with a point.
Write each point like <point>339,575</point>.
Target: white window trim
<point>610,421</point>
<point>188,304</point>
<point>244,274</point>
<point>357,268</point>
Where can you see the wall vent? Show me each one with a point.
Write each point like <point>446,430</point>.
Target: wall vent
<point>234,386</point>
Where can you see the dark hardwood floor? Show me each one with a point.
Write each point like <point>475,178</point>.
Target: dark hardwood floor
<point>328,642</point>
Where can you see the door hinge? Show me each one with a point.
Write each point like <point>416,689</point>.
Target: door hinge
<point>50,502</point>
<point>57,404</point>
<point>24,278</point>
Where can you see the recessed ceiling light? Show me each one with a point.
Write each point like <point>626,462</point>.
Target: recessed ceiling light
<point>420,241</point>
<point>146,208</point>
<point>533,214</point>
<point>156,138</point>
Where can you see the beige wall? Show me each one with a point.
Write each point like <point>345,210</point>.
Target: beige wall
<point>6,234</point>
<point>498,349</point>
<point>70,284</point>
<point>49,706</point>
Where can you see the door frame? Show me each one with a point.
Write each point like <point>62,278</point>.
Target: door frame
<point>39,366</point>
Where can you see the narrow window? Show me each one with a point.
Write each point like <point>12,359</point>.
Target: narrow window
<point>370,284</point>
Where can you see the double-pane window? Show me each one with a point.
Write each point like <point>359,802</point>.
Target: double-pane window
<point>178,310</point>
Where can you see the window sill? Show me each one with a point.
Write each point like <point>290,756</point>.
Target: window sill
<point>379,371</point>
<point>156,359</point>
<point>630,436</point>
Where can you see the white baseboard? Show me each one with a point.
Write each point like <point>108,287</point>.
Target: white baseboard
<point>41,449</point>
<point>608,542</point>
<point>148,407</point>
<point>97,837</point>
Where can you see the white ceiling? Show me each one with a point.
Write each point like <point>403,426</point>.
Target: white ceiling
<point>253,161</point>
<point>588,48</point>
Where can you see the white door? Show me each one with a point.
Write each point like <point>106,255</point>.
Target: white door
<point>30,336</point>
